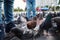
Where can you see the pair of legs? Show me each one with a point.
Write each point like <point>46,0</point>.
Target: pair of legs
<point>8,13</point>
<point>30,7</point>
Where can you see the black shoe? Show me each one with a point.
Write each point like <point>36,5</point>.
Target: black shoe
<point>9,26</point>
<point>27,19</point>
<point>9,36</point>
<point>17,32</point>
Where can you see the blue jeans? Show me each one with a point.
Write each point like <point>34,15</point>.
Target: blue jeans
<point>8,10</point>
<point>30,7</point>
<point>0,12</point>
<point>8,13</point>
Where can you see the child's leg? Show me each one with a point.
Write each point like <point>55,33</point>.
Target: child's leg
<point>28,9</point>
<point>33,8</point>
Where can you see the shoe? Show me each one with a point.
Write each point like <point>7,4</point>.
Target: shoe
<point>28,19</point>
<point>9,36</point>
<point>9,26</point>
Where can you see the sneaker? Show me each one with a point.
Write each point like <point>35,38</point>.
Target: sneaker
<point>9,26</point>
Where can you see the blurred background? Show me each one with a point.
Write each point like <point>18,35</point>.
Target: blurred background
<point>51,5</point>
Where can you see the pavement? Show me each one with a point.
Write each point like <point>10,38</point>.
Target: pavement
<point>56,37</point>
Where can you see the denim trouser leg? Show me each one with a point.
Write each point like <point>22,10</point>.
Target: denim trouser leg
<point>1,26</point>
<point>8,9</point>
<point>1,32</point>
<point>0,12</point>
<point>28,9</point>
<point>33,8</point>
